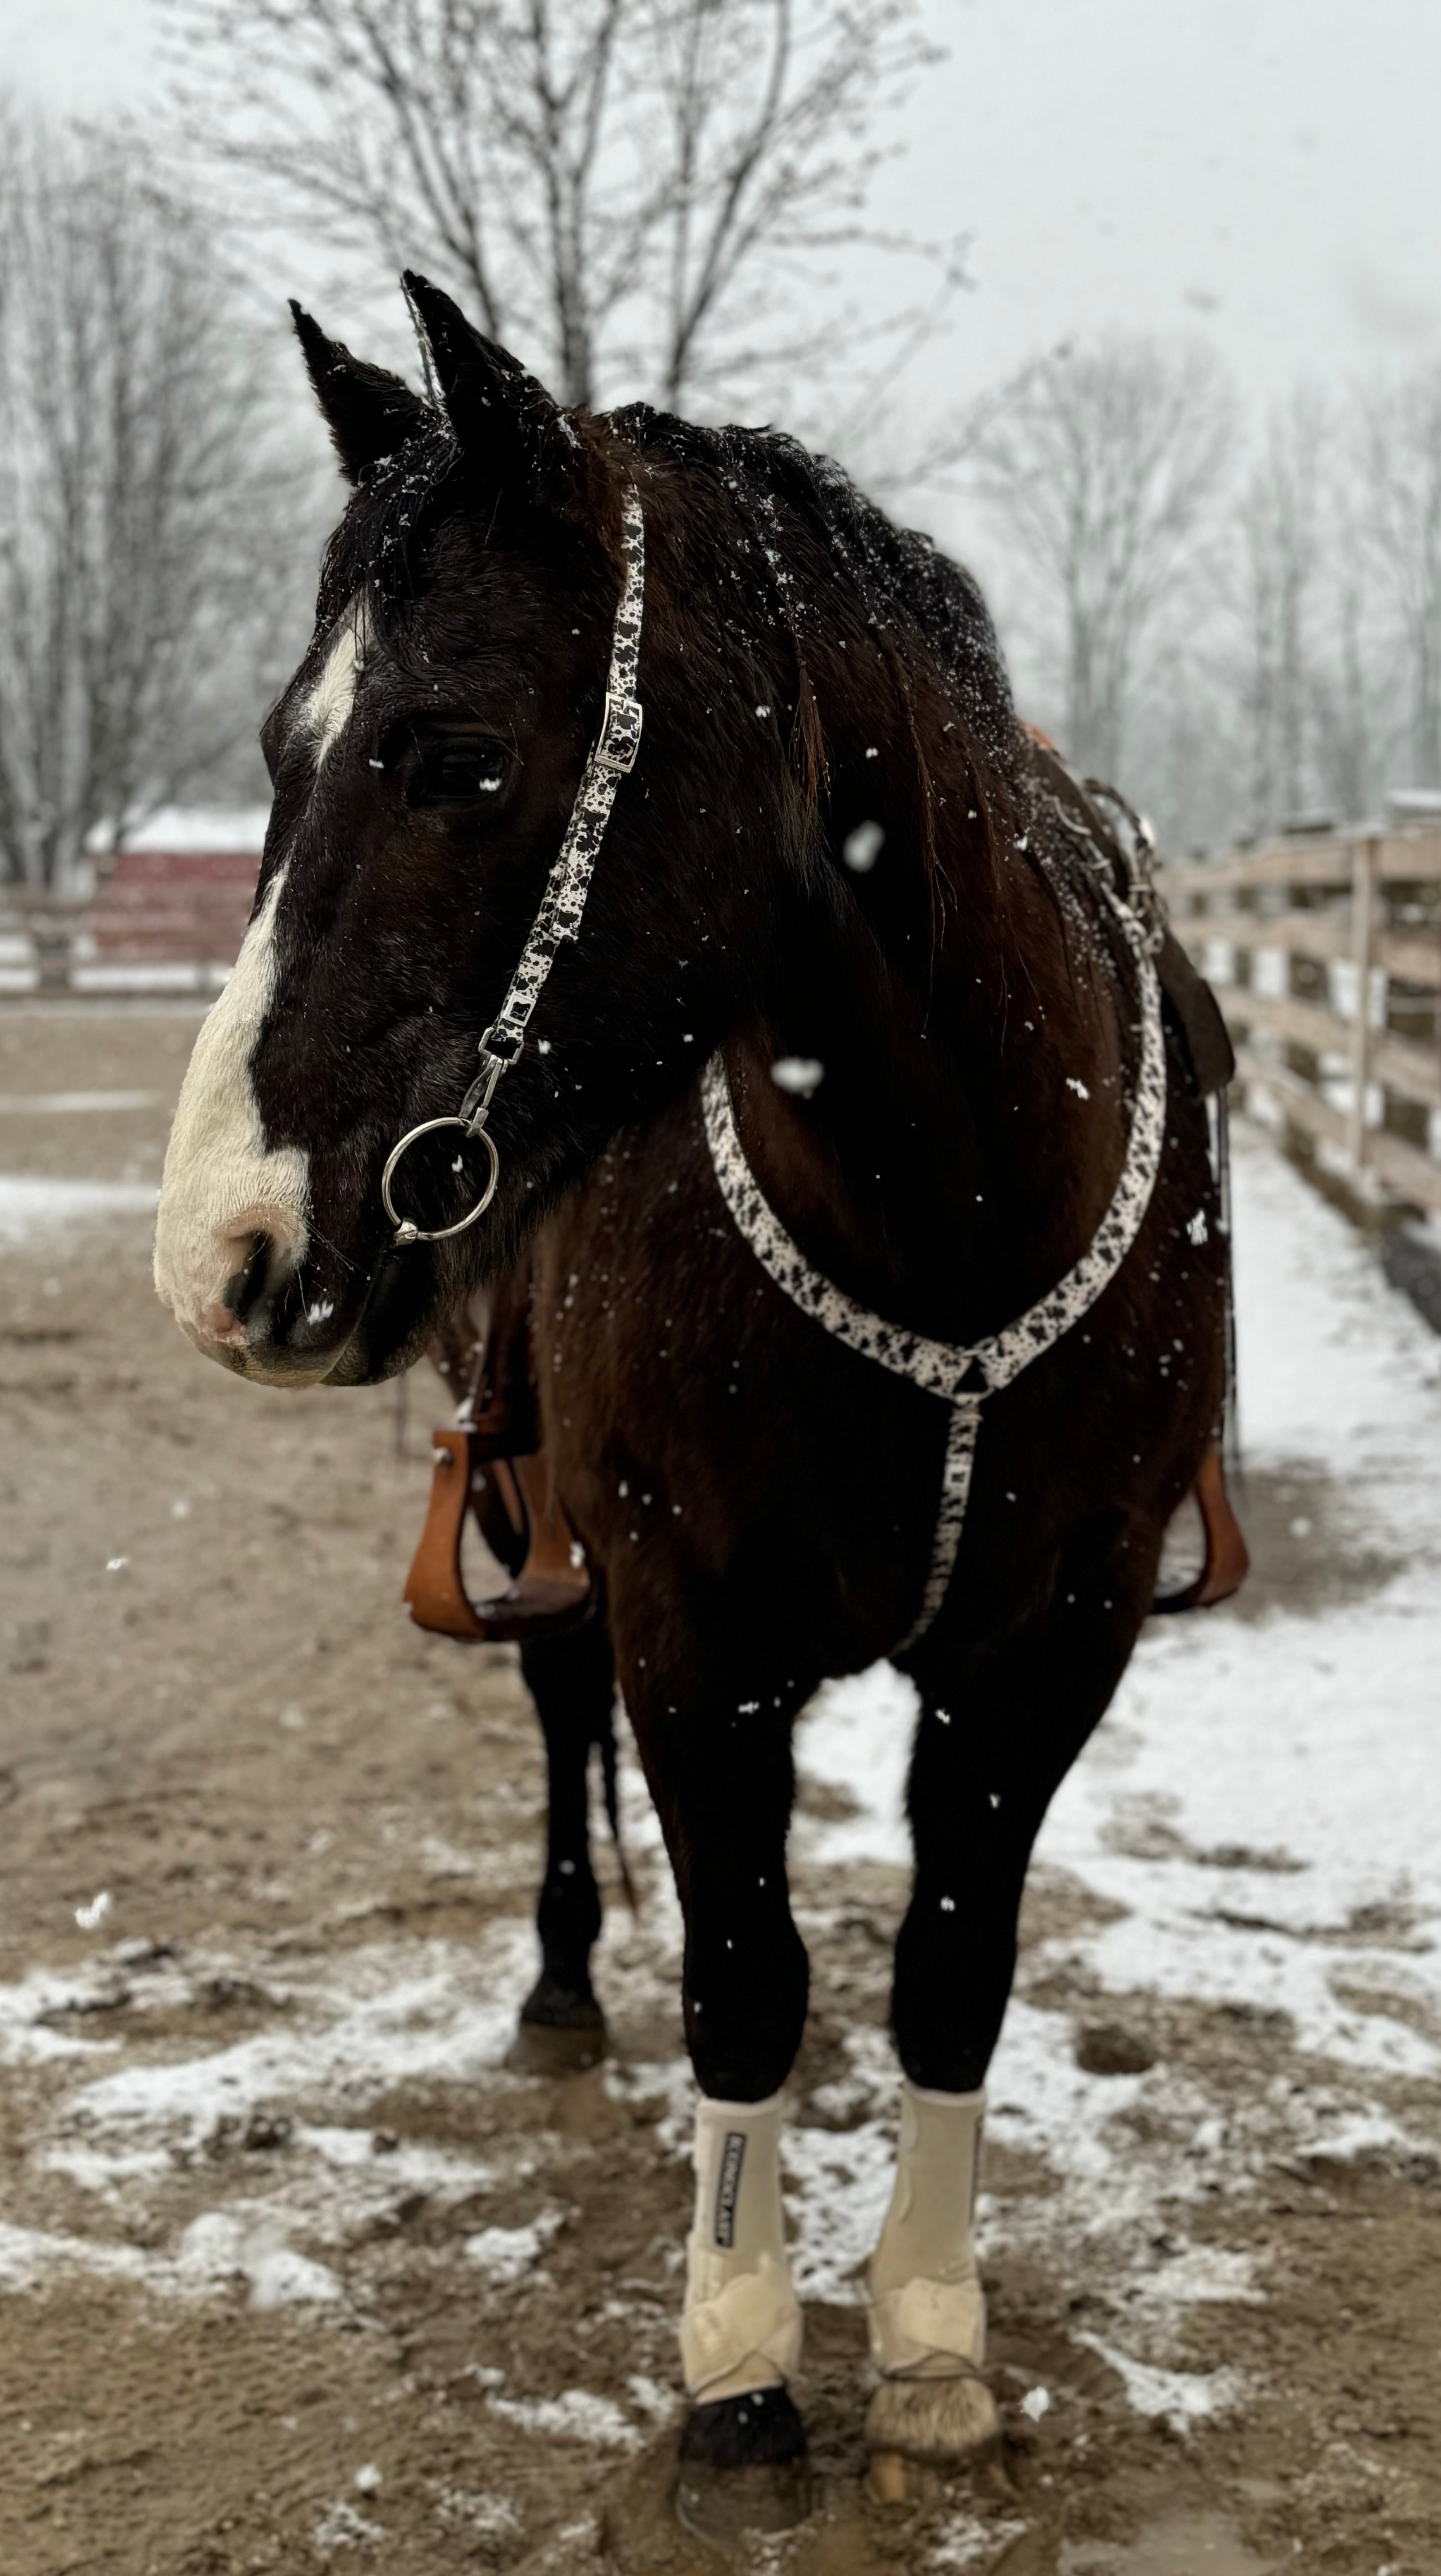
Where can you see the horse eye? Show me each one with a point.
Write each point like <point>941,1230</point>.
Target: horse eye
<point>457,773</point>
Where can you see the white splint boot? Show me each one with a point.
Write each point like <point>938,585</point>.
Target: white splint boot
<point>927,2306</point>
<point>741,2323</point>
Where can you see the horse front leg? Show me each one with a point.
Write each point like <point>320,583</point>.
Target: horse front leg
<point>719,1766</point>
<point>571,1678</point>
<point>996,1736</point>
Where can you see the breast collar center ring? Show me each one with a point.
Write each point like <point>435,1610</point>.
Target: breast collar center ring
<point>611,759</point>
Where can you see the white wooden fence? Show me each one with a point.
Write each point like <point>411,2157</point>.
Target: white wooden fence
<point>1325,951</point>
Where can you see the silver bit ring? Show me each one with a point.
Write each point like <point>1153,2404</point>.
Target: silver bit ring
<point>406,1231</point>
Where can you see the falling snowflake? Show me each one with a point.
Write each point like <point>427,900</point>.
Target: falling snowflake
<point>800,1074</point>
<point>862,847</point>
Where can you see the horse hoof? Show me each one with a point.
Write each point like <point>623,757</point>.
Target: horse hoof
<point>557,2048</point>
<point>946,2423</point>
<point>889,2478</point>
<point>743,2467</point>
<point>721,2507</point>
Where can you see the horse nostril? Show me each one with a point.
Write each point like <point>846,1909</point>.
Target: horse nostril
<point>245,1287</point>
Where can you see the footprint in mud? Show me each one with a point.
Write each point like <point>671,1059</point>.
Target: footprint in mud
<point>1205,2544</point>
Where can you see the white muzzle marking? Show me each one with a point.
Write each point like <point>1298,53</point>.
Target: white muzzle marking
<point>222,1185</point>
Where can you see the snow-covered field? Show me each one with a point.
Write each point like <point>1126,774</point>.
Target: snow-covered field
<point>235,2084</point>
<point>1260,1814</point>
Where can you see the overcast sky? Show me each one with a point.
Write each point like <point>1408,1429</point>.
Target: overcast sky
<point>1263,173</point>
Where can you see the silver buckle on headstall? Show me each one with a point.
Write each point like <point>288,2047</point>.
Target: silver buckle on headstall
<point>618,741</point>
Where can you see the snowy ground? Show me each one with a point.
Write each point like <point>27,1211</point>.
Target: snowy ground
<point>262,2087</point>
<point>1260,1815</point>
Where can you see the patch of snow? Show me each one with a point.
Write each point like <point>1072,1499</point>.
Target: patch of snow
<point>247,2242</point>
<point>216,2249</point>
<point>380,2018</point>
<point>32,1207</point>
<point>364,2021</point>
<point>505,2253</point>
<point>967,2541</point>
<point>662,2405</point>
<point>342,2527</point>
<point>856,1735</point>
<point>839,2182</point>
<point>576,2416</point>
<point>491,2517</point>
<point>1177,2397</point>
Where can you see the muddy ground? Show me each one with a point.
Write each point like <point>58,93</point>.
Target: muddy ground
<point>295,2275</point>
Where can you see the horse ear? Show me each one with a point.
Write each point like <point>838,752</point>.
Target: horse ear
<point>502,417</point>
<point>368,411</point>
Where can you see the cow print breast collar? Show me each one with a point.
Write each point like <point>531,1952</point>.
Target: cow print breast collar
<point>961,1377</point>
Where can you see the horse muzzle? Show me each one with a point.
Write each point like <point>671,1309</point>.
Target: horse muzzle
<point>263,1322</point>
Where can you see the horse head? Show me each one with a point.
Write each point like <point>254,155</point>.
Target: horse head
<point>425,760</point>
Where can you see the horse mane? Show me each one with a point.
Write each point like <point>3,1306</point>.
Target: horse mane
<point>798,525</point>
<point>932,629</point>
<point>897,574</point>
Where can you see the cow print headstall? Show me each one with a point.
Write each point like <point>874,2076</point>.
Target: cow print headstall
<point>612,757</point>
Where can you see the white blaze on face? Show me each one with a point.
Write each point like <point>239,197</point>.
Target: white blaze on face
<point>326,711</point>
<point>222,1184</point>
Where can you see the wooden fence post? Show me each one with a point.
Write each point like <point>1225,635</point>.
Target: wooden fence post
<point>1365,865</point>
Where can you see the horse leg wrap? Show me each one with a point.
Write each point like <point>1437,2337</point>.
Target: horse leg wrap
<point>741,2324</point>
<point>928,2310</point>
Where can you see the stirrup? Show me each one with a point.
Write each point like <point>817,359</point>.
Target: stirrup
<point>1227,1560</point>
<point>553,1591</point>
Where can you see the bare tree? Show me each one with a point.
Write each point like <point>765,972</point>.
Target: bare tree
<point>628,192</point>
<point>1283,529</point>
<point>137,604</point>
<point>1356,729</point>
<point>1102,476</point>
<point>1399,457</point>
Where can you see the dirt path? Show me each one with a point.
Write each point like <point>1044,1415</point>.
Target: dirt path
<point>293,2273</point>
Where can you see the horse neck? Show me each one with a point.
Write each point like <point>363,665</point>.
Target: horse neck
<point>965,1135</point>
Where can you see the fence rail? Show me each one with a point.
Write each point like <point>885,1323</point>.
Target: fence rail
<point>1326,957</point>
<point>160,923</point>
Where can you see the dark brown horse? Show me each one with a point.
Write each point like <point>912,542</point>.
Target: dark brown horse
<point>839,875</point>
